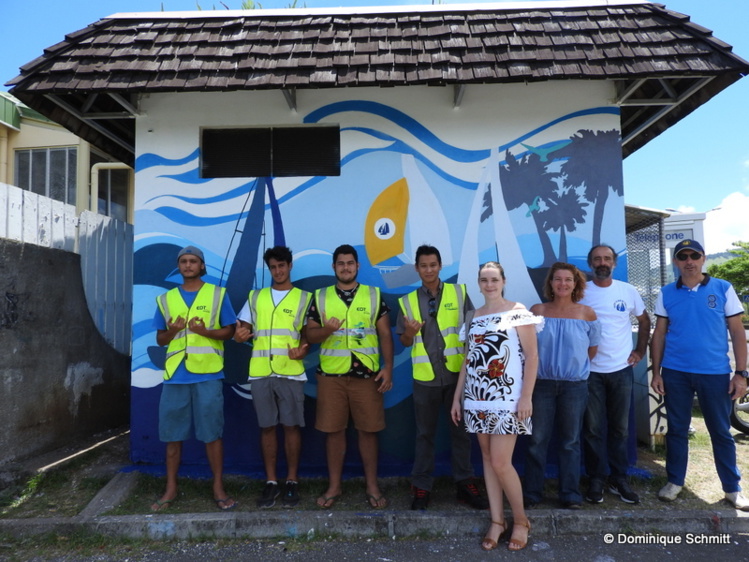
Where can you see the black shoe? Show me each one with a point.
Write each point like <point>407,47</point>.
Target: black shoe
<point>595,491</point>
<point>572,505</point>
<point>469,494</point>
<point>621,488</point>
<point>270,493</point>
<point>421,499</point>
<point>290,494</point>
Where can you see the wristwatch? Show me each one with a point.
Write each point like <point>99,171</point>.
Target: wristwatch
<point>744,374</point>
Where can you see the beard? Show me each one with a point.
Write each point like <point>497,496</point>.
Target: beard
<point>602,272</point>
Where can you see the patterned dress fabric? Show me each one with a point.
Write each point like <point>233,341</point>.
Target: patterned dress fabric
<point>494,373</point>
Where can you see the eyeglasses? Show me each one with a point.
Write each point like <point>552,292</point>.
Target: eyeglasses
<point>433,308</point>
<point>683,256</point>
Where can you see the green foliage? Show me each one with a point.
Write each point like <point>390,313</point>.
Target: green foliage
<point>736,269</point>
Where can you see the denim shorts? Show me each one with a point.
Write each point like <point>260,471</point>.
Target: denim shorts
<point>198,405</point>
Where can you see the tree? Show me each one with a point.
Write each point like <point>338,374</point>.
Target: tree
<point>526,181</point>
<point>595,164</point>
<point>736,269</point>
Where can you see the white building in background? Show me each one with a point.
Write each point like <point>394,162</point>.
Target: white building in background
<point>40,156</point>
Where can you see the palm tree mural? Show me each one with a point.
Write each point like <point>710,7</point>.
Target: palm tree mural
<point>526,181</point>
<point>594,163</point>
<point>565,211</point>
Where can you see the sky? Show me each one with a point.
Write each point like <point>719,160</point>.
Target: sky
<point>701,164</point>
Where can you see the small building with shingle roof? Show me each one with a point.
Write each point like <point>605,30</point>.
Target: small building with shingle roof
<point>492,131</point>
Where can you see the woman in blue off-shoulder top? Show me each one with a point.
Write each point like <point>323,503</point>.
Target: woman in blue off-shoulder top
<point>566,344</point>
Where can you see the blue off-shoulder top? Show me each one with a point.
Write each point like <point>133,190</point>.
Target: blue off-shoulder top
<point>563,348</point>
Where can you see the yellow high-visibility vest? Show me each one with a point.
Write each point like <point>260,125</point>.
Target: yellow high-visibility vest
<point>449,320</point>
<point>358,335</point>
<point>276,328</point>
<point>201,355</point>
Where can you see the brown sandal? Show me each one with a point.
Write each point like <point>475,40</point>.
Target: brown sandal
<point>515,544</point>
<point>490,544</point>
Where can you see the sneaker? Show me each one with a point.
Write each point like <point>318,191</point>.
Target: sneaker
<point>421,499</point>
<point>290,494</point>
<point>270,493</point>
<point>737,500</point>
<point>468,493</point>
<point>626,494</point>
<point>669,492</point>
<point>595,491</point>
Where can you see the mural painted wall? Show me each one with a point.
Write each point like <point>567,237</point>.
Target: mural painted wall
<point>526,174</point>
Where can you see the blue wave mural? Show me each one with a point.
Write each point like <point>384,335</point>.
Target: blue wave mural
<point>465,201</point>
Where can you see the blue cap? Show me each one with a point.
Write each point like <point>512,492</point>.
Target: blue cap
<point>688,245</point>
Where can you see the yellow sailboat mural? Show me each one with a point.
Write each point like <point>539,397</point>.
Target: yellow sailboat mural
<point>405,215</point>
<point>385,227</point>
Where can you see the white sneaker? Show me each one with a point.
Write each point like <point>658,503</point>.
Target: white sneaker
<point>737,500</point>
<point>670,492</point>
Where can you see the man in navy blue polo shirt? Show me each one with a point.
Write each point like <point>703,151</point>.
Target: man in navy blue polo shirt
<point>689,350</point>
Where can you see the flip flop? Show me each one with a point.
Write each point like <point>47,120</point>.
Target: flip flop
<point>225,501</point>
<point>374,502</point>
<point>327,501</point>
<point>160,505</point>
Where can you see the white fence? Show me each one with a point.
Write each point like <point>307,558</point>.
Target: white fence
<point>105,246</point>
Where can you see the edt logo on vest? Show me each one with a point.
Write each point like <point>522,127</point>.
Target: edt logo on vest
<point>202,307</point>
<point>288,310</point>
<point>450,306</point>
<point>361,308</point>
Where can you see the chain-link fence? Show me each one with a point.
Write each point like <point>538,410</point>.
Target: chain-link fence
<point>645,253</point>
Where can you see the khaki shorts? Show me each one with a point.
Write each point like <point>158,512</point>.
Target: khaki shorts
<point>339,397</point>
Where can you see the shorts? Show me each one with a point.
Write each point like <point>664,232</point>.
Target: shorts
<point>184,406</point>
<point>341,397</point>
<point>278,400</point>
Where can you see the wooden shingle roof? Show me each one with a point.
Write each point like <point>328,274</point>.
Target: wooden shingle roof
<point>659,59</point>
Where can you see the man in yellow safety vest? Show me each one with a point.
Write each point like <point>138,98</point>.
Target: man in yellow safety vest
<point>352,324</point>
<point>274,318</point>
<point>429,320</point>
<point>193,320</point>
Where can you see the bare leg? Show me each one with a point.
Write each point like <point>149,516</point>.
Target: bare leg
<point>173,458</point>
<point>215,453</point>
<point>501,448</point>
<point>494,493</point>
<point>293,449</point>
<point>269,448</point>
<point>335,447</point>
<point>368,448</point>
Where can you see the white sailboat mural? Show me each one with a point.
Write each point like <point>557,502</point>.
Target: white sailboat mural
<point>519,283</point>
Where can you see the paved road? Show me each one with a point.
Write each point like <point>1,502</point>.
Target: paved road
<point>560,549</point>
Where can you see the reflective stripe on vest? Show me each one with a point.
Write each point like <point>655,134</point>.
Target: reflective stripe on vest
<point>358,333</point>
<point>276,328</point>
<point>201,355</point>
<point>449,320</point>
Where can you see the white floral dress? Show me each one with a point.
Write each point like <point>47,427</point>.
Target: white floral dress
<point>494,373</point>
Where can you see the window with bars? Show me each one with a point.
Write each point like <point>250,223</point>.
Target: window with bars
<point>50,172</point>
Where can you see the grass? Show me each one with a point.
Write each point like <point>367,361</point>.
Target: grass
<point>63,491</point>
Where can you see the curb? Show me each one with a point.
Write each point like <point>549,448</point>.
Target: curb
<point>386,524</point>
